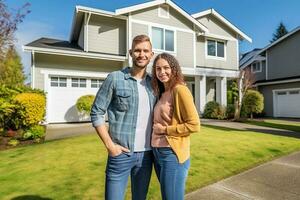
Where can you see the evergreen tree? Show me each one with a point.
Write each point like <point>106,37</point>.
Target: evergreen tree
<point>280,31</point>
<point>11,69</point>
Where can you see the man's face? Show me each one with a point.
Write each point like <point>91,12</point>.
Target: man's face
<point>141,54</point>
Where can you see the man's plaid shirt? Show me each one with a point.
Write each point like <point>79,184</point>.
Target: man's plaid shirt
<point>118,96</point>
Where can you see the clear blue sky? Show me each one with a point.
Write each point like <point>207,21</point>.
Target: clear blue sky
<point>257,18</point>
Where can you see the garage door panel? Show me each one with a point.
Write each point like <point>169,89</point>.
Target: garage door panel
<point>287,104</point>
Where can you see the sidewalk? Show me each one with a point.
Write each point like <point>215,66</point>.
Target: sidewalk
<point>275,180</point>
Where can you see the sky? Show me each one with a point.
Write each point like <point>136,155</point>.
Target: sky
<point>256,18</point>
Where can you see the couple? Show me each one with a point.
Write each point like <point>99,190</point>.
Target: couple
<point>150,120</point>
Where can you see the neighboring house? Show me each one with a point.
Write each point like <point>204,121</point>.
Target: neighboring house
<point>206,45</point>
<point>277,71</point>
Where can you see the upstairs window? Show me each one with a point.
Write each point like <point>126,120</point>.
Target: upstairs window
<point>79,82</point>
<point>58,82</point>
<point>162,39</point>
<point>95,83</point>
<point>216,48</point>
<point>256,67</point>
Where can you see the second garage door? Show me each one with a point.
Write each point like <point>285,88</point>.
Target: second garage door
<point>287,103</point>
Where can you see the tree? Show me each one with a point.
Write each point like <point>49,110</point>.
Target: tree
<point>8,26</point>
<point>280,31</point>
<point>246,80</point>
<point>253,102</point>
<point>11,69</point>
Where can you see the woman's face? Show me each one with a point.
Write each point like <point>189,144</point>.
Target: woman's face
<point>163,70</point>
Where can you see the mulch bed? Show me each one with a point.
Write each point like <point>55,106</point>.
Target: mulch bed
<point>4,142</point>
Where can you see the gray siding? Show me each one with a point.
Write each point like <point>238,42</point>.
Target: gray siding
<point>230,62</point>
<point>175,18</point>
<point>138,29</point>
<point>283,58</point>
<point>266,90</point>
<point>43,61</point>
<point>185,49</point>
<point>81,37</point>
<point>107,35</point>
<point>261,75</point>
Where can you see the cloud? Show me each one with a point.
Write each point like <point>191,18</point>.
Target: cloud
<point>28,32</point>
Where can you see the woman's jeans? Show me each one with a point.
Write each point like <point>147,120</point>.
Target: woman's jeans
<point>171,174</point>
<point>138,165</point>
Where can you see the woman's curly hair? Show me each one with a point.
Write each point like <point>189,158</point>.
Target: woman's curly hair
<point>176,76</point>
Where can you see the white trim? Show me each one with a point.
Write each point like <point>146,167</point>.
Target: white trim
<point>260,67</point>
<point>129,38</point>
<point>48,96</point>
<point>137,21</point>
<point>220,37</point>
<point>160,8</point>
<point>32,70</point>
<point>129,9</point>
<point>217,72</point>
<point>98,12</point>
<point>224,20</point>
<point>278,82</point>
<point>287,89</point>
<point>216,57</point>
<point>194,48</point>
<point>74,73</point>
<point>280,39</point>
<point>74,53</point>
<point>164,30</point>
<point>237,53</point>
<point>87,17</point>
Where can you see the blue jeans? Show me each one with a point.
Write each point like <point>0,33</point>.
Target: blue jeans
<point>171,174</point>
<point>118,169</point>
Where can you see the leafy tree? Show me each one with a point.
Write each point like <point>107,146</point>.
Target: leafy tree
<point>280,31</point>
<point>8,25</point>
<point>253,102</point>
<point>11,69</point>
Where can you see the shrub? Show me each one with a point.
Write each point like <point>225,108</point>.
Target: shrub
<point>31,108</point>
<point>230,109</point>
<point>253,102</point>
<point>34,132</point>
<point>213,110</point>
<point>84,104</point>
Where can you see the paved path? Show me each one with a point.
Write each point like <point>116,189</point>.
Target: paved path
<point>275,180</point>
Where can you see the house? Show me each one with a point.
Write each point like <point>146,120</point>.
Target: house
<point>277,74</point>
<point>206,45</point>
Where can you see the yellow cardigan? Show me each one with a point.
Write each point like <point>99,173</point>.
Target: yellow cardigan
<point>185,120</point>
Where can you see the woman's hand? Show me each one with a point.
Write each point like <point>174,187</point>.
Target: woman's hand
<point>159,129</point>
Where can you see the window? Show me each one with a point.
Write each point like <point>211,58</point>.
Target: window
<point>79,82</point>
<point>58,82</point>
<point>163,39</point>
<point>256,67</point>
<point>216,48</point>
<point>294,92</point>
<point>95,83</point>
<point>281,93</point>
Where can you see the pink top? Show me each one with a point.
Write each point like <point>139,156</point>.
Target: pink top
<point>163,112</point>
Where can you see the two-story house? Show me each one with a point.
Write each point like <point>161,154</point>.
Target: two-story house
<point>277,73</point>
<point>205,43</point>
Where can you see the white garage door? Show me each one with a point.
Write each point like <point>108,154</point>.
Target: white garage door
<point>63,94</point>
<point>287,103</point>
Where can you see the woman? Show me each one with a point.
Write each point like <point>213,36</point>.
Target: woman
<point>175,118</point>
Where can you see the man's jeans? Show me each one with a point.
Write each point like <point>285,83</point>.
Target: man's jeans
<point>171,174</point>
<point>138,165</point>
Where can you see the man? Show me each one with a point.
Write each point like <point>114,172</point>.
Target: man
<point>128,99</point>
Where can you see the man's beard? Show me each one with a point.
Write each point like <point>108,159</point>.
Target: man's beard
<point>135,63</point>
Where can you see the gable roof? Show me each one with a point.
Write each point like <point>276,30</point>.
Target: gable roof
<point>149,4</point>
<point>250,57</point>
<point>224,20</point>
<point>280,39</point>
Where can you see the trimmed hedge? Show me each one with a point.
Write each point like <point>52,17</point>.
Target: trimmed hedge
<point>214,110</point>
<point>84,104</point>
<point>253,102</point>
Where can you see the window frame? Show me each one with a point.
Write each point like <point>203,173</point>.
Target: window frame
<point>98,82</point>
<point>79,84</point>
<point>164,39</point>
<point>59,81</point>
<point>216,57</point>
<point>260,67</point>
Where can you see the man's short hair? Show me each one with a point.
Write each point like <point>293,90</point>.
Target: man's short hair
<point>140,38</point>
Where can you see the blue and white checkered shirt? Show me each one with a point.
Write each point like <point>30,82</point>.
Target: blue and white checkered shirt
<point>118,96</point>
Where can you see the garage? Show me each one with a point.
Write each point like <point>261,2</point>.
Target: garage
<point>287,103</point>
<point>62,96</point>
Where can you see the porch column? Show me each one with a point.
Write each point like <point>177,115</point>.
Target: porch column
<point>200,93</point>
<point>221,90</point>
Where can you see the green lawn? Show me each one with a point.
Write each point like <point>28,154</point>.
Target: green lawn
<point>277,123</point>
<point>74,168</point>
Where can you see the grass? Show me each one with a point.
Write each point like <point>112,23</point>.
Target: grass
<point>277,123</point>
<point>74,168</point>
